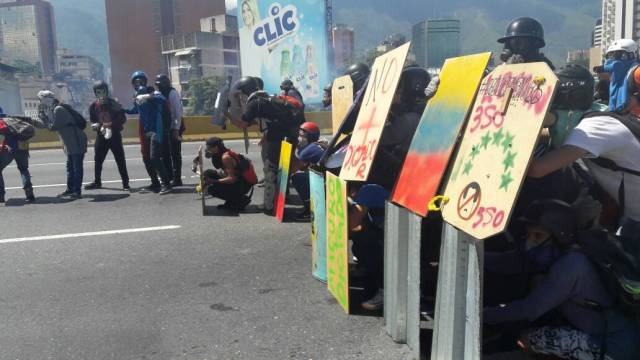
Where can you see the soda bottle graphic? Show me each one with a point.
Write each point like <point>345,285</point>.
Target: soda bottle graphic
<point>312,84</point>
<point>285,64</point>
<point>299,67</point>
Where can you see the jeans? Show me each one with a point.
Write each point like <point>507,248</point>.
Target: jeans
<point>75,173</point>
<point>176,159</point>
<point>152,156</point>
<point>368,247</point>
<point>21,158</point>
<point>102,148</point>
<point>300,181</point>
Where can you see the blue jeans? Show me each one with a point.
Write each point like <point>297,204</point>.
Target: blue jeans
<point>75,173</point>
<point>21,158</point>
<point>300,181</point>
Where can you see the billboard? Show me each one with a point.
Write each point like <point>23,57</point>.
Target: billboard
<point>285,39</point>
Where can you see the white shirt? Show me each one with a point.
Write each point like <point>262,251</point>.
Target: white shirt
<point>607,137</point>
<point>175,104</point>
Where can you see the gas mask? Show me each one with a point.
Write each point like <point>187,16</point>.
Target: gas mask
<point>541,257</point>
<point>101,94</point>
<point>565,122</point>
<point>303,142</point>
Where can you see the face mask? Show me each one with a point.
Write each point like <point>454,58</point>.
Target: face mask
<point>47,102</point>
<point>541,257</point>
<point>303,142</point>
<point>566,121</point>
<point>101,94</point>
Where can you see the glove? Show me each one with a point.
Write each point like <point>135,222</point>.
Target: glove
<point>108,133</point>
<point>432,88</point>
<point>598,69</point>
<point>95,126</point>
<point>141,99</point>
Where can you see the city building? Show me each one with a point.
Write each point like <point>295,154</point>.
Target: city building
<point>10,90</point>
<point>27,33</point>
<point>434,41</point>
<point>391,42</point>
<point>79,66</point>
<point>134,49</point>
<point>595,57</point>
<point>608,23</point>
<point>596,35</point>
<point>343,45</point>
<point>578,57</point>
<point>203,54</point>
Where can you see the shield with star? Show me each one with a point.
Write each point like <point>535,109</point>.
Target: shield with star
<point>498,142</point>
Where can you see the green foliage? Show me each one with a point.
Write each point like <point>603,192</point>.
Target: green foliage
<point>201,95</point>
<point>26,67</point>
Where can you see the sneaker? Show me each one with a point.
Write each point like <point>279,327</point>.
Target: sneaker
<point>29,195</point>
<point>165,189</point>
<point>244,202</point>
<point>74,196</point>
<point>126,187</point>
<point>375,303</point>
<point>155,187</point>
<point>65,193</point>
<point>93,186</point>
<point>177,183</point>
<point>225,206</point>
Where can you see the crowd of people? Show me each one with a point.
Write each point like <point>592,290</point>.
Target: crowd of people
<point>583,182</point>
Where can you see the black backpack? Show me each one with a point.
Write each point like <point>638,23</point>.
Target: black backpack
<point>19,127</point>
<point>618,270</point>
<point>80,121</point>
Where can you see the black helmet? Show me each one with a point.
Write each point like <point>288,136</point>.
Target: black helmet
<point>413,82</point>
<point>100,85</point>
<point>162,80</point>
<point>359,72</point>
<point>524,27</point>
<point>286,85</point>
<point>555,216</point>
<point>248,85</point>
<point>260,82</point>
<point>215,141</point>
<point>575,89</point>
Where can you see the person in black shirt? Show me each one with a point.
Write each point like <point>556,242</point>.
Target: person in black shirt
<point>278,120</point>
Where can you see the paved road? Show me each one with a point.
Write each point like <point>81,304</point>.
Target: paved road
<point>215,287</point>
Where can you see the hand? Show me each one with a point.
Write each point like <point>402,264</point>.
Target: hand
<point>95,126</point>
<point>141,99</point>
<point>176,135</point>
<point>598,69</point>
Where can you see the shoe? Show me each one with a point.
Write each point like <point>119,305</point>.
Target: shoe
<point>1,198</point>
<point>176,183</point>
<point>93,186</point>
<point>65,193</point>
<point>155,187</point>
<point>375,303</point>
<point>126,187</point>
<point>244,202</point>
<point>74,196</point>
<point>165,189</point>
<point>29,195</point>
<point>225,206</point>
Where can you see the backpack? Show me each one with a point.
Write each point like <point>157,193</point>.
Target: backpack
<point>80,121</point>
<point>19,127</point>
<point>617,269</point>
<point>245,168</point>
<point>291,105</point>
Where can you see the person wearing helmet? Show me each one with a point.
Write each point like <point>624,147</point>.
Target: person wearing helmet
<point>621,57</point>
<point>523,39</point>
<point>288,89</point>
<point>570,285</point>
<point>55,116</point>
<point>359,73</point>
<point>138,81</point>
<point>173,147</point>
<point>278,120</point>
<point>107,120</point>
<point>154,127</point>
<point>12,149</point>
<point>608,144</point>
<point>308,152</point>
<point>326,96</point>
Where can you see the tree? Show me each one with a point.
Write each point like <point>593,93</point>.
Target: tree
<point>202,94</point>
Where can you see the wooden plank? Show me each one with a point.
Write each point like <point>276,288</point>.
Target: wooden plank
<point>381,88</point>
<point>496,148</point>
<point>318,226</point>
<point>341,100</point>
<point>337,240</point>
<point>438,131</point>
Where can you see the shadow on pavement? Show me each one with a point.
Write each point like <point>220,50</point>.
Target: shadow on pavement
<point>40,200</point>
<point>106,197</point>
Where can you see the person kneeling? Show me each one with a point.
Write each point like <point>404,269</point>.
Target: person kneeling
<point>236,179</point>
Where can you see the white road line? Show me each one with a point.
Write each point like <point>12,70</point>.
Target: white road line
<point>87,234</point>
<point>84,183</point>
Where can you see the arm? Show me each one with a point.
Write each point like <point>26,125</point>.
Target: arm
<point>61,118</point>
<point>357,214</point>
<point>229,166</point>
<point>555,160</point>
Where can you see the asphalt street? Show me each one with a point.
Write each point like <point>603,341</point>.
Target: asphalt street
<point>136,275</point>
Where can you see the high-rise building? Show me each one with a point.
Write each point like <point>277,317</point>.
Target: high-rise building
<point>10,90</point>
<point>608,23</point>
<point>27,33</point>
<point>434,41</point>
<point>136,45</point>
<point>596,35</point>
<point>79,66</point>
<point>343,45</point>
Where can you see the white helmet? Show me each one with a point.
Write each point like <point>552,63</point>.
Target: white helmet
<point>626,45</point>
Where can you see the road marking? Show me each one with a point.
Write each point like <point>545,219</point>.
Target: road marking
<point>87,234</point>
<point>84,183</point>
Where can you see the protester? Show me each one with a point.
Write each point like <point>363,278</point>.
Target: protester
<point>236,179</point>
<point>154,126</point>
<point>174,145</point>
<point>308,152</point>
<point>288,89</point>
<point>278,119</point>
<point>359,74</point>
<point>58,117</point>
<point>523,39</point>
<point>621,57</point>
<point>12,149</point>
<point>107,120</point>
<point>326,96</point>
<point>570,285</point>
<point>366,230</point>
<point>608,144</point>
